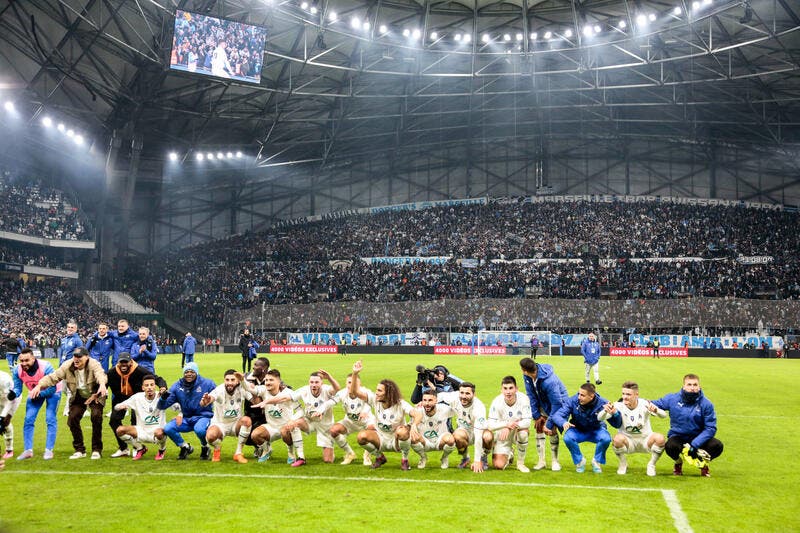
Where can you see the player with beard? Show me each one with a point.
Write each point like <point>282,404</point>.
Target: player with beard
<point>357,417</point>
<point>28,373</point>
<point>150,420</point>
<point>228,419</point>
<point>432,428</point>
<point>470,425</point>
<point>509,422</point>
<point>277,416</point>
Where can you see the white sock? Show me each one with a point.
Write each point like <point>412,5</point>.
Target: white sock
<point>522,446</point>
<point>297,442</point>
<point>447,450</point>
<point>341,442</point>
<point>554,445</point>
<point>371,448</point>
<point>418,448</point>
<point>540,446</point>
<point>655,453</point>
<point>244,433</point>
<point>405,447</point>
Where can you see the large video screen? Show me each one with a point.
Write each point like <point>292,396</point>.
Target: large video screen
<point>217,47</point>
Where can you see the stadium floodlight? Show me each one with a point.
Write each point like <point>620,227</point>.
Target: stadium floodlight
<point>622,25</point>
<point>434,35</point>
<point>70,133</point>
<point>220,155</point>
<point>61,127</point>
<point>467,38</point>
<point>366,25</point>
<point>587,31</point>
<point>506,37</point>
<point>333,16</point>
<point>239,155</point>
<point>210,156</point>
<point>568,33</point>
<point>355,23</point>
<point>641,20</point>
<point>548,35</point>
<point>383,30</point>
<point>9,105</point>
<point>416,34</point>
<point>78,140</point>
<point>519,37</point>
<point>534,36</point>
<point>174,156</point>
<point>677,11</point>
<point>313,10</point>
<point>706,2</point>
<point>47,121</point>
<point>457,37</point>
<point>229,155</point>
<point>304,6</point>
<point>597,28</point>
<point>485,38</point>
<point>406,32</point>
<point>198,156</point>
<point>695,6</point>
<point>651,17</point>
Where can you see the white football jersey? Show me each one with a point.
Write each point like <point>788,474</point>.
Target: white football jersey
<point>500,411</point>
<point>433,426</point>
<point>635,422</point>
<point>353,407</point>
<point>6,385</point>
<point>228,408</point>
<point>281,413</point>
<point>148,415</point>
<point>468,418</point>
<point>387,420</point>
<point>312,403</point>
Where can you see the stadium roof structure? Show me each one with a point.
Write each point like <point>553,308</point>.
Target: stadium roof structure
<point>398,81</point>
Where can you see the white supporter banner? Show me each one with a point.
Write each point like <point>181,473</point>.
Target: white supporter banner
<point>648,352</point>
<point>303,348</point>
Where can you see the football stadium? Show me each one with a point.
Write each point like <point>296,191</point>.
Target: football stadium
<point>496,265</point>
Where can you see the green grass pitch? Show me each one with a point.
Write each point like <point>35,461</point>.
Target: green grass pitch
<point>752,488</point>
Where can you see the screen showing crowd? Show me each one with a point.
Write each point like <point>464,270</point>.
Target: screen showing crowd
<point>216,47</point>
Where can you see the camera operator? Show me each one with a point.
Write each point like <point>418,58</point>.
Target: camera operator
<point>438,378</point>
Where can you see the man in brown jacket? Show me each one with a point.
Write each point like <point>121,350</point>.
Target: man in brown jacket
<point>86,381</point>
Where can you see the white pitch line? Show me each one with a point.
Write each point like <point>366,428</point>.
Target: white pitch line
<point>679,518</point>
<point>721,415</point>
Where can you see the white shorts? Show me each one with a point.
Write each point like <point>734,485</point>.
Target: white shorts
<point>274,431</point>
<point>323,432</point>
<point>388,441</point>
<point>353,426</point>
<point>470,434</point>
<point>431,445</point>
<point>636,444</point>
<point>503,447</point>
<point>146,433</point>
<point>227,430</point>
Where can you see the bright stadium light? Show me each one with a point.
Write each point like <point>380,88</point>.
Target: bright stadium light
<point>641,20</point>
<point>174,156</point>
<point>416,34</point>
<point>677,11</point>
<point>383,30</point>
<point>9,106</point>
<point>333,16</point>
<point>355,23</point>
<point>548,35</point>
<point>467,38</point>
<point>534,36</point>
<point>519,37</point>
<point>61,127</point>
<point>485,38</point>
<point>695,6</point>
<point>406,32</point>
<point>587,31</point>
<point>220,155</point>
<point>622,25</point>
<point>457,37</point>
<point>70,133</point>
<point>568,33</point>
<point>434,36</point>
<point>199,156</point>
<point>313,10</point>
<point>304,6</point>
<point>78,140</point>
<point>506,37</point>
<point>47,122</point>
<point>229,155</point>
<point>210,156</point>
<point>239,155</point>
<point>706,2</point>
<point>366,25</point>
<point>651,17</point>
<point>597,28</point>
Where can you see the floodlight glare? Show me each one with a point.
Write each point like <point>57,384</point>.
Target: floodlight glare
<point>199,156</point>
<point>9,105</point>
<point>220,155</point>
<point>70,133</point>
<point>47,121</point>
<point>587,31</point>
<point>622,25</point>
<point>239,155</point>
<point>355,23</point>
<point>174,157</point>
<point>695,6</point>
<point>641,20</point>
<point>304,6</point>
<point>485,38</point>
<point>467,37</point>
<point>651,17</point>
<point>597,28</point>
<point>78,140</point>
<point>406,33</point>
<point>313,10</point>
<point>383,29</point>
<point>366,26</point>
<point>210,156</point>
<point>519,37</point>
<point>61,127</point>
<point>416,34</point>
<point>457,37</point>
<point>434,36</point>
<point>568,33</point>
<point>548,35</point>
<point>534,36</point>
<point>706,2</point>
<point>677,11</point>
<point>332,16</point>
<point>506,37</point>
<point>229,155</point>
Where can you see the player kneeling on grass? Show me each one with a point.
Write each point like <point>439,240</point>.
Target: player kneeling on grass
<point>315,418</point>
<point>580,419</point>
<point>471,425</point>
<point>692,427</point>
<point>510,422</point>
<point>277,416</point>
<point>357,417</point>
<point>635,434</point>
<point>432,430</point>
<point>390,433</point>
<point>228,420</point>
<point>150,420</point>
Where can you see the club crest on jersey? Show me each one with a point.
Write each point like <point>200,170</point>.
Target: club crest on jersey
<point>352,406</point>
<point>511,413</point>
<point>430,424</point>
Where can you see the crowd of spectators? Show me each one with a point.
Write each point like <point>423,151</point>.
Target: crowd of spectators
<point>33,208</point>
<point>601,244</point>
<point>31,254</point>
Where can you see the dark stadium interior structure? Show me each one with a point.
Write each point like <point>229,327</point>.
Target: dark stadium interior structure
<point>381,103</point>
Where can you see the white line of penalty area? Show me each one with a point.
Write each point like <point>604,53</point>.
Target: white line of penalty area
<point>679,518</point>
